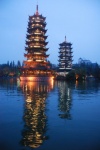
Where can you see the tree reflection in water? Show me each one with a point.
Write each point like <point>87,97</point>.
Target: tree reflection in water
<point>34,132</point>
<point>65,99</point>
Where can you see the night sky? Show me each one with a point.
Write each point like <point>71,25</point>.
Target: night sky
<point>78,20</point>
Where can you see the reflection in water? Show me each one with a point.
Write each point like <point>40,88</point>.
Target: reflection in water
<point>9,84</point>
<point>34,115</point>
<point>81,133</point>
<point>87,87</point>
<point>64,100</point>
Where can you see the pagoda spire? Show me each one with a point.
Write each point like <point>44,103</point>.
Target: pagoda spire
<point>65,38</point>
<point>37,13</point>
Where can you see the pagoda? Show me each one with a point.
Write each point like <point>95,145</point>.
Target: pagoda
<point>65,58</point>
<point>36,67</point>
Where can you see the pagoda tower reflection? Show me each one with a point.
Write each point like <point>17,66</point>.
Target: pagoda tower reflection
<point>34,132</point>
<point>64,101</point>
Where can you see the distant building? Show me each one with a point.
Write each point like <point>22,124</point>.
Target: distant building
<point>65,58</point>
<point>84,61</point>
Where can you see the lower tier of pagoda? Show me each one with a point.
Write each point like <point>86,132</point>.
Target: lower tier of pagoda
<point>36,75</point>
<point>36,64</point>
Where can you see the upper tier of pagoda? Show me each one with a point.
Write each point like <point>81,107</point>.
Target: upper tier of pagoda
<point>65,43</point>
<point>37,15</point>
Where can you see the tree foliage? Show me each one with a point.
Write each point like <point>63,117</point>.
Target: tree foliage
<point>10,69</point>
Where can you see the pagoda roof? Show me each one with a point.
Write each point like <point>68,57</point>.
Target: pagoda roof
<point>65,44</point>
<point>33,41</point>
<point>36,49</point>
<point>65,52</point>
<point>37,68</point>
<point>66,59</point>
<point>34,22</point>
<point>37,14</point>
<point>35,28</point>
<point>39,35</point>
<point>66,56</point>
<point>65,47</point>
<point>37,64</point>
<point>29,55</point>
<point>63,70</point>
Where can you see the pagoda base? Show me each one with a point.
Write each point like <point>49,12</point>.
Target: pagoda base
<point>36,78</point>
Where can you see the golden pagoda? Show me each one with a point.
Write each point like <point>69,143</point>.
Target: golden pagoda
<point>36,67</point>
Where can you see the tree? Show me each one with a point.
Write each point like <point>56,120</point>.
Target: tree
<point>18,64</point>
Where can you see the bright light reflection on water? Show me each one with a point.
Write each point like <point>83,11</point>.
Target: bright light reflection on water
<point>49,116</point>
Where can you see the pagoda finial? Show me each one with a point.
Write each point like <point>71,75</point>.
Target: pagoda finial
<point>65,38</point>
<point>37,13</point>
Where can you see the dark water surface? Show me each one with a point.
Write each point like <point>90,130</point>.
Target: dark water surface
<point>49,116</point>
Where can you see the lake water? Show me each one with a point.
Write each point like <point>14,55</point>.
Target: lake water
<point>49,116</point>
